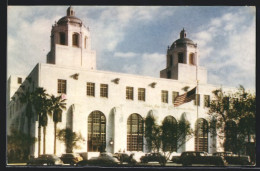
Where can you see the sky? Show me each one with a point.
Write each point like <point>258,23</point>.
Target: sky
<point>134,39</point>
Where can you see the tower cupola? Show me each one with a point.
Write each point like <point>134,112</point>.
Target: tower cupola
<point>182,61</point>
<point>70,11</point>
<point>71,43</point>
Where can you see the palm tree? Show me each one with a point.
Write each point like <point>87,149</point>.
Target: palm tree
<point>46,110</point>
<point>40,105</point>
<point>27,99</point>
<point>57,106</point>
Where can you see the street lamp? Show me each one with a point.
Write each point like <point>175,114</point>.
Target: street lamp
<point>111,142</point>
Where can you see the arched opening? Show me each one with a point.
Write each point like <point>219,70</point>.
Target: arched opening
<point>192,59</point>
<point>180,57</point>
<point>135,129</point>
<point>75,39</point>
<point>169,134</point>
<point>213,135</point>
<point>171,60</point>
<point>230,136</point>
<point>62,38</point>
<point>201,135</point>
<point>69,121</point>
<point>96,131</point>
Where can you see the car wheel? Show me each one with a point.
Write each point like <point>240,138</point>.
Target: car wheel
<point>72,163</point>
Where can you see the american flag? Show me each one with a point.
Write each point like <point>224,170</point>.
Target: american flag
<point>184,98</point>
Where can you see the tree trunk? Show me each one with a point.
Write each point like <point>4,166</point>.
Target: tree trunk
<point>29,133</point>
<point>39,139</point>
<point>55,129</point>
<point>44,139</point>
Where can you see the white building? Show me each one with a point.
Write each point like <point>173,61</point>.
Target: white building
<point>114,105</point>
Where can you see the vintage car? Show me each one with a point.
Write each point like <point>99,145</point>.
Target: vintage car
<point>104,159</point>
<point>124,157</point>
<point>153,157</point>
<point>234,159</point>
<point>49,159</point>
<point>200,157</point>
<point>70,158</point>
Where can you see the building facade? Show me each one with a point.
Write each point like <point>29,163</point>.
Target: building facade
<point>108,109</point>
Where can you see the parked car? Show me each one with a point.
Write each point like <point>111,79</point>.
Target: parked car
<point>200,157</point>
<point>176,159</point>
<point>105,159</point>
<point>71,158</point>
<point>49,159</point>
<point>234,159</point>
<point>153,157</point>
<point>123,157</point>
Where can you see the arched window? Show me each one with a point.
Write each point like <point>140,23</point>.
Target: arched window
<point>180,58</point>
<point>230,136</point>
<point>62,38</point>
<point>96,131</point>
<point>191,59</point>
<point>135,133</point>
<point>75,39</point>
<point>169,134</point>
<point>201,135</point>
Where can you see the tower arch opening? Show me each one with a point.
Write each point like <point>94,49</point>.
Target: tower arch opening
<point>75,40</point>
<point>180,57</point>
<point>192,59</point>
<point>62,38</point>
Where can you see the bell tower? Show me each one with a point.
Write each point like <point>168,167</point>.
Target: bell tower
<point>182,61</point>
<point>71,43</point>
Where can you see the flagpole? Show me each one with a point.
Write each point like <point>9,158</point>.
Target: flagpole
<point>197,91</point>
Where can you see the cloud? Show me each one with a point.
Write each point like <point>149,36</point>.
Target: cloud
<point>125,55</point>
<point>130,68</point>
<point>229,42</point>
<point>152,64</point>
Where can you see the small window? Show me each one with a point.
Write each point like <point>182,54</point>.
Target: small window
<point>130,93</point>
<point>19,80</point>
<point>174,95</point>
<point>75,39</point>
<point>103,90</point>
<point>90,89</point>
<point>206,100</point>
<point>141,94</point>
<point>164,96</point>
<point>180,58</point>
<point>61,86</point>
<point>197,100</point>
<point>62,38</point>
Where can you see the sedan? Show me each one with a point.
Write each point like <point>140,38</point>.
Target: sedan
<point>49,159</point>
<point>105,159</point>
<point>71,158</point>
